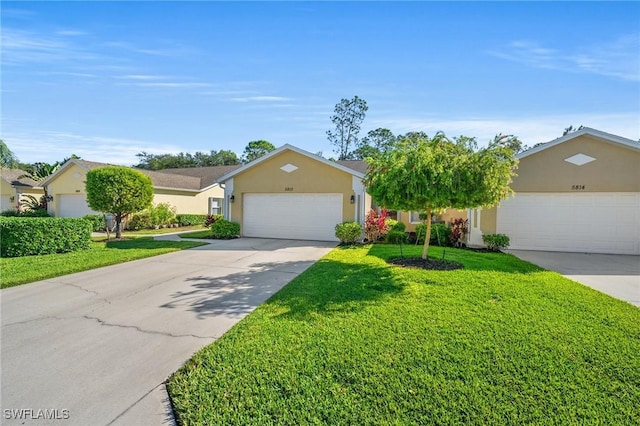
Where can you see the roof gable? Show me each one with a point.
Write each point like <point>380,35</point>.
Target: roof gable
<point>297,150</point>
<point>606,137</point>
<point>17,178</point>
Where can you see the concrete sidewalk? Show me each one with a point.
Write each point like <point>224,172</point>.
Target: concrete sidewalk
<point>97,346</point>
<point>617,275</point>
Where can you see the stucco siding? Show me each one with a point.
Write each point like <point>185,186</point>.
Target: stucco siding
<point>488,220</point>
<point>69,181</point>
<point>188,202</point>
<point>310,177</point>
<point>615,169</point>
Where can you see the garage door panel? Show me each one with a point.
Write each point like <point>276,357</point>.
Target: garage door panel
<point>73,205</point>
<point>292,216</point>
<point>588,222</point>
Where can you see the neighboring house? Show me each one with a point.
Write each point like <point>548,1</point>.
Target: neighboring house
<point>578,193</point>
<point>188,194</point>
<point>291,193</point>
<point>14,186</point>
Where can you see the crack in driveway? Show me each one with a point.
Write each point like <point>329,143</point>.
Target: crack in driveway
<point>141,330</point>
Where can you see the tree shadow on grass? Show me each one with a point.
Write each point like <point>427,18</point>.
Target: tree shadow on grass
<point>149,243</point>
<point>471,260</point>
<point>327,287</point>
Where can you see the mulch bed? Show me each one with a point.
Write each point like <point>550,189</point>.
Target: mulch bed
<point>420,263</point>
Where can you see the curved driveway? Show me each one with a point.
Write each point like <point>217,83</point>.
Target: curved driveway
<point>96,346</point>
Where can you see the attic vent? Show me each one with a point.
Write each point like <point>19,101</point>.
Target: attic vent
<point>579,159</point>
<point>289,168</point>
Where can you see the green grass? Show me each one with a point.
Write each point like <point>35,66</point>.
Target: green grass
<point>159,231</point>
<point>205,233</point>
<point>22,270</point>
<point>354,340</point>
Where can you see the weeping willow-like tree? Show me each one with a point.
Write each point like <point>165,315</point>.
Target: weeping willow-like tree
<point>431,174</point>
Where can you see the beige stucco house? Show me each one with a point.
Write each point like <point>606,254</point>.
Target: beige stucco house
<point>291,193</point>
<point>578,193</point>
<point>188,194</point>
<point>14,186</point>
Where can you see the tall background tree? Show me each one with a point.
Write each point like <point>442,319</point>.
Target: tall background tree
<point>256,149</point>
<point>7,158</point>
<point>432,174</point>
<point>118,190</point>
<point>186,159</point>
<point>376,142</point>
<point>347,116</point>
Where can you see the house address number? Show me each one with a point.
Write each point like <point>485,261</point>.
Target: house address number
<point>288,189</point>
<point>578,187</point>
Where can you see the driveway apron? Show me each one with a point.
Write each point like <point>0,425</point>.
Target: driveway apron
<point>94,348</point>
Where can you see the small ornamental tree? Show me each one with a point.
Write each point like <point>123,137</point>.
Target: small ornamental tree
<point>431,174</point>
<point>118,190</point>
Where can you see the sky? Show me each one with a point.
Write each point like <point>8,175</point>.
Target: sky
<point>109,80</point>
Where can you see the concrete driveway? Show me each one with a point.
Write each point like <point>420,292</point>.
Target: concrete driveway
<point>94,348</point>
<point>614,274</point>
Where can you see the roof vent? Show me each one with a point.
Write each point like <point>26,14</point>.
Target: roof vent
<point>579,159</point>
<point>289,168</point>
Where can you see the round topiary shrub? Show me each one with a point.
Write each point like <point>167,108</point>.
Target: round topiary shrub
<point>348,232</point>
<point>396,237</point>
<point>224,229</point>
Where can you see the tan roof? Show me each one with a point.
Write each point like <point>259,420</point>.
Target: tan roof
<point>159,178</point>
<point>15,177</point>
<point>357,165</point>
<point>208,175</point>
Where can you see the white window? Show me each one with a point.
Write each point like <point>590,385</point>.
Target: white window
<point>215,206</point>
<point>415,217</point>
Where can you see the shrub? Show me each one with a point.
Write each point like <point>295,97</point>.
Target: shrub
<point>24,236</point>
<point>191,219</point>
<point>348,232</point>
<point>396,237</point>
<point>26,213</point>
<point>440,234</point>
<point>225,229</point>
<point>496,242</point>
<point>138,221</point>
<point>394,225</point>
<point>212,218</point>
<point>459,229</point>
<point>375,225</point>
<point>162,214</point>
<point>98,223</point>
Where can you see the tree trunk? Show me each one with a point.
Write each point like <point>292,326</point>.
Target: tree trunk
<point>118,225</point>
<point>427,236</point>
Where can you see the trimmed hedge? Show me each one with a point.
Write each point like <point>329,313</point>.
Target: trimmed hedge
<point>191,219</point>
<point>496,242</point>
<point>98,222</point>
<point>26,213</point>
<point>225,230</point>
<point>348,232</point>
<point>26,236</point>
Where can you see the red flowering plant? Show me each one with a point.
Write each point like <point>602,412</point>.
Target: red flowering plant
<point>459,229</point>
<point>375,225</point>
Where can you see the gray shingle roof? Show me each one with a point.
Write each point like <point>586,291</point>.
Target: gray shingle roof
<point>15,178</point>
<point>357,165</point>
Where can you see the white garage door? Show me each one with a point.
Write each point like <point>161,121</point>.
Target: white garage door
<point>292,216</point>
<point>588,222</point>
<point>72,205</point>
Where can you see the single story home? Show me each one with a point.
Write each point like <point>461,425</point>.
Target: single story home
<point>291,193</point>
<point>14,186</point>
<point>188,194</point>
<point>577,193</point>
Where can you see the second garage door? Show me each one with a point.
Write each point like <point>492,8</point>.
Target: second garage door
<point>292,216</point>
<point>589,222</point>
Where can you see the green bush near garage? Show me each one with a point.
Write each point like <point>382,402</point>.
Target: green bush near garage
<point>191,219</point>
<point>225,229</point>
<point>27,236</point>
<point>98,222</point>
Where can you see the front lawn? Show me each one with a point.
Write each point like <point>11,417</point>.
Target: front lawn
<point>354,340</point>
<point>21,270</point>
<point>205,233</point>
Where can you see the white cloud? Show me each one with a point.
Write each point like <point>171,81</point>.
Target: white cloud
<point>616,58</point>
<point>50,146</point>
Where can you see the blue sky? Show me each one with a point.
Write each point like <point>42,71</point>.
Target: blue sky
<point>107,80</point>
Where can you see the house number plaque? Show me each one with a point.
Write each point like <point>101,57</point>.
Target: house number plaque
<point>288,189</point>
<point>578,187</point>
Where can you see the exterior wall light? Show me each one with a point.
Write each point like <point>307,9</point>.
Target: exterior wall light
<point>232,198</point>
<point>352,199</point>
